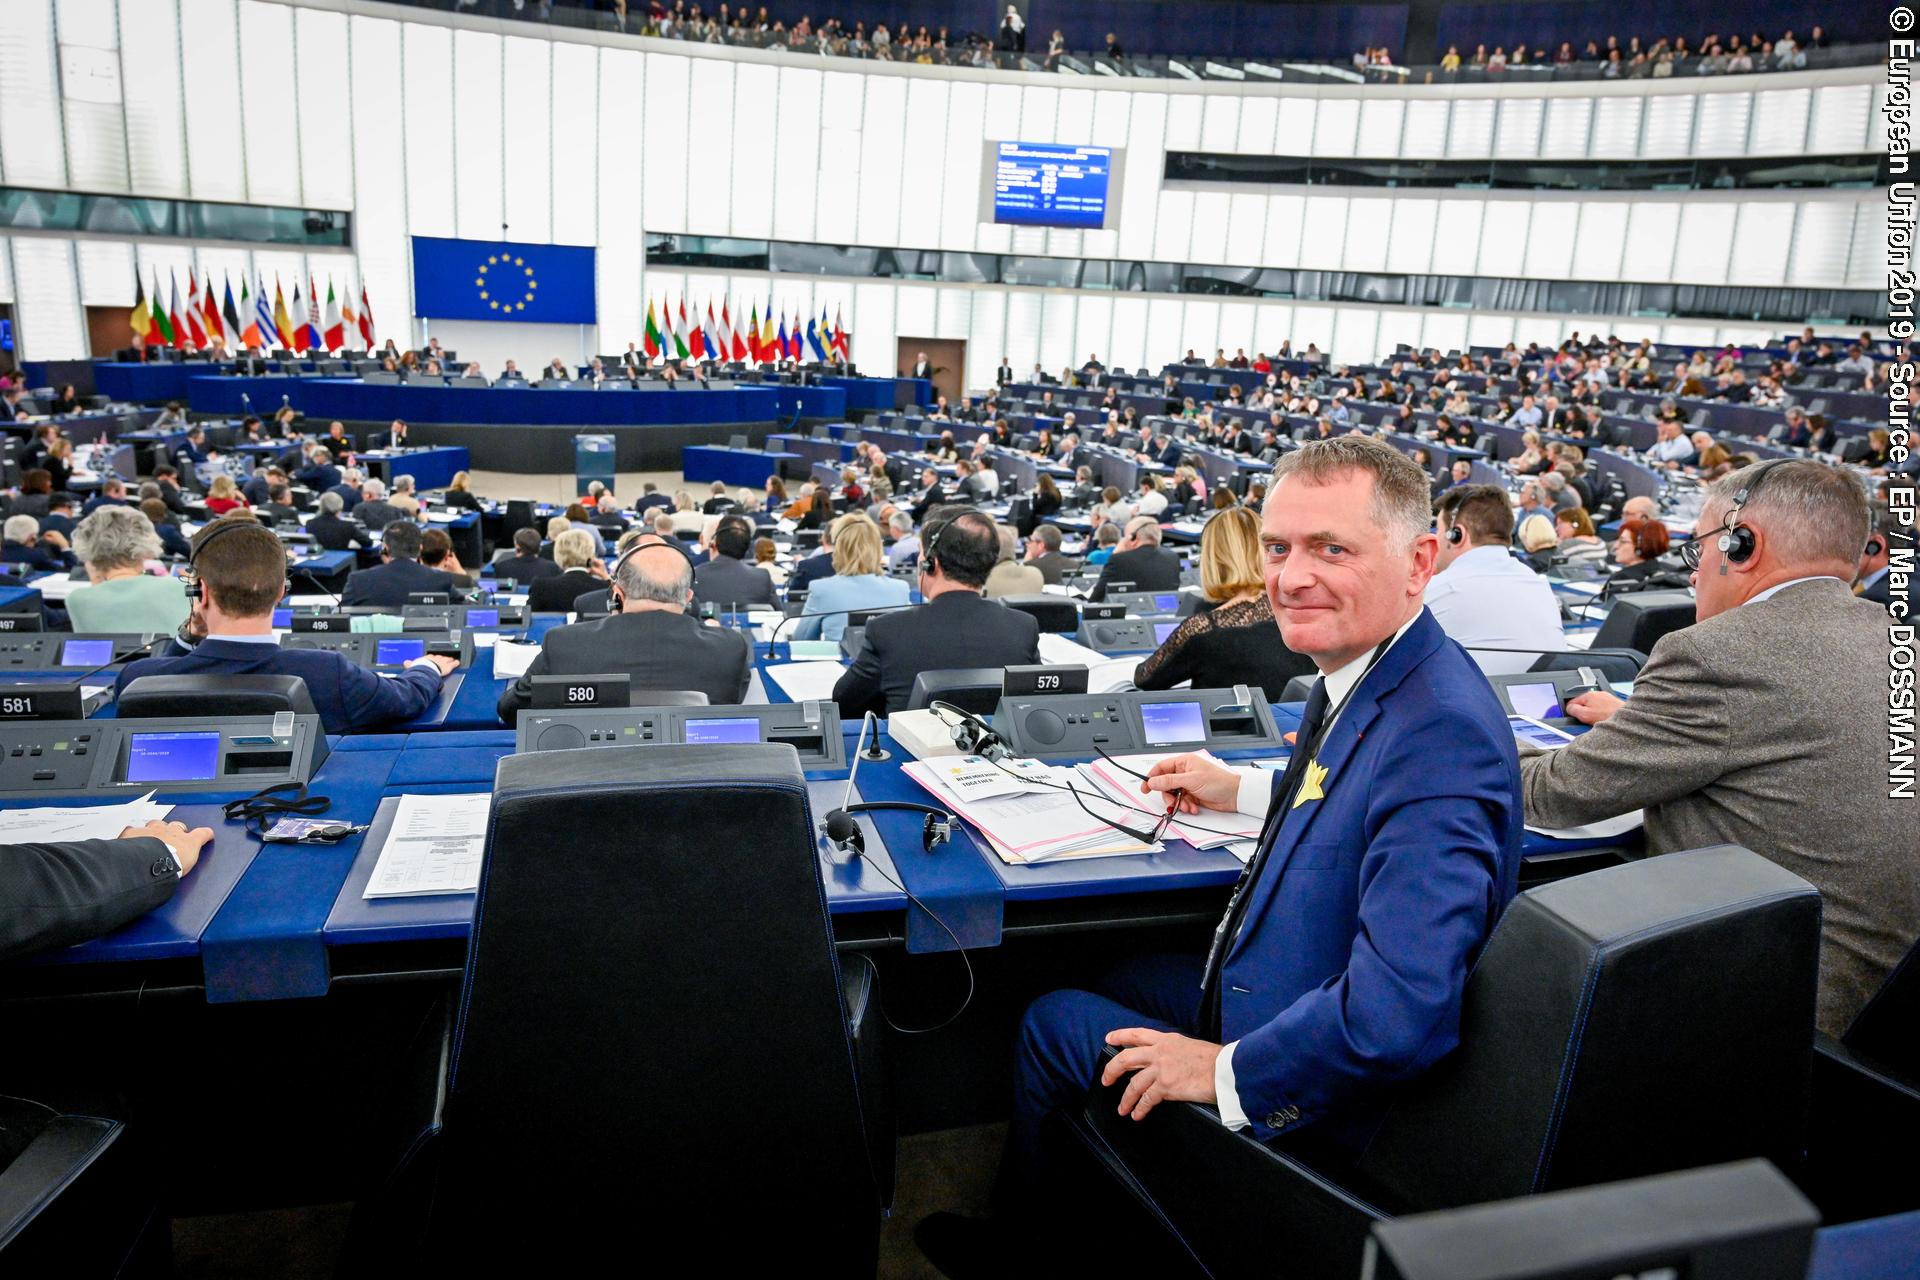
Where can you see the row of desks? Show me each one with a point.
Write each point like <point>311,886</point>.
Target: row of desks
<point>271,922</point>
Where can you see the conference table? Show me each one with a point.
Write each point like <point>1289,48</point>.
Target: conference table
<point>432,467</point>
<point>738,468</point>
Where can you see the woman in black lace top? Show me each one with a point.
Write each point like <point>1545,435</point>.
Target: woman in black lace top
<point>1236,641</point>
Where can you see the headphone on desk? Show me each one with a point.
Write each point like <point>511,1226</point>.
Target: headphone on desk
<point>1737,542</point>
<point>972,734</point>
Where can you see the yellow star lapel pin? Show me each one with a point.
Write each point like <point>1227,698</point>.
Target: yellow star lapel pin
<point>1312,786</point>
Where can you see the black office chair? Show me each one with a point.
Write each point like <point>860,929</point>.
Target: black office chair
<point>666,698</point>
<point>1613,665</point>
<point>975,689</point>
<point>1634,1021</point>
<point>152,697</point>
<point>74,1200</point>
<point>1637,619</point>
<point>1865,1124</point>
<point>542,1138</point>
<point>520,515</point>
<point>1055,613</point>
<point>1298,688</point>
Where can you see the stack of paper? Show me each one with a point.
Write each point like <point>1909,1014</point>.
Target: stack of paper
<point>1029,811</point>
<point>434,846</point>
<point>97,822</point>
<point>805,681</point>
<point>1119,779</point>
<point>511,659</point>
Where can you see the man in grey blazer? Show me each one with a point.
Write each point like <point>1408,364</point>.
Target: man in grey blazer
<point>649,636</point>
<point>1765,723</point>
<point>727,579</point>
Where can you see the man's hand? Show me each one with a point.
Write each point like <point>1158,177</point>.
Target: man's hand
<point>445,665</point>
<point>55,539</point>
<point>1166,1068</point>
<point>1594,706</point>
<point>186,845</point>
<point>1207,784</point>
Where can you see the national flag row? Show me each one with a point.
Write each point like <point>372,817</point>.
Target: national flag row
<point>254,322</point>
<point>676,332</point>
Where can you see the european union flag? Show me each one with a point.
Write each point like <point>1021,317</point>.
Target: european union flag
<point>501,280</point>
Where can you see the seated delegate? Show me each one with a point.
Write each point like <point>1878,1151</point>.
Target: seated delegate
<point>1764,723</point>
<point>241,570</point>
<point>857,581</point>
<point>1337,972</point>
<point>1139,559</point>
<point>1480,595</point>
<point>649,635</point>
<point>579,573</point>
<point>115,543</point>
<point>1235,641</point>
<point>955,628</point>
<point>399,573</point>
<point>726,579</point>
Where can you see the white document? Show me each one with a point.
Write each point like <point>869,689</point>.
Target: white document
<point>511,659</point>
<point>804,681</point>
<point>1116,778</point>
<point>93,822</point>
<point>434,846</point>
<point>1062,651</point>
<point>1605,829</point>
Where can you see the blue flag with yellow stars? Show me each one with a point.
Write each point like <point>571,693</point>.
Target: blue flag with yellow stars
<point>502,280</point>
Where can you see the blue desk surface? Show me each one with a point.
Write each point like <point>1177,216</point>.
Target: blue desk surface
<point>431,468</point>
<point>464,763</point>
<point>21,599</point>
<point>741,468</point>
<point>352,399</point>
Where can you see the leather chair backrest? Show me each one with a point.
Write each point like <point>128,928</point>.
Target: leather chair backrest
<point>213,696</point>
<point>651,1039</point>
<point>1054,613</point>
<point>1610,664</point>
<point>1635,1020</point>
<point>666,698</point>
<point>1885,1030</point>
<point>975,689</point>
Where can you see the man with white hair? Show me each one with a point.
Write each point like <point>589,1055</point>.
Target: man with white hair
<point>26,545</point>
<point>1140,560</point>
<point>906,543</point>
<point>648,635</point>
<point>1764,723</point>
<point>374,511</point>
<point>331,530</point>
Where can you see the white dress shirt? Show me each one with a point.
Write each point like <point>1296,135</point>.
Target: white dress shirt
<point>1486,597</point>
<point>1256,796</point>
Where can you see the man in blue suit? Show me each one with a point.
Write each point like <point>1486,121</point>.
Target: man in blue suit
<point>242,571</point>
<point>1391,847</point>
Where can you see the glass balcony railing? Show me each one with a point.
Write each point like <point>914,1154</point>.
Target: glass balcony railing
<point>23,208</point>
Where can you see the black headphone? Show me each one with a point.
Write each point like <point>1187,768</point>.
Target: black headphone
<point>1736,542</point>
<point>840,827</point>
<point>615,598</point>
<point>1455,535</point>
<point>972,734</point>
<point>1876,545</point>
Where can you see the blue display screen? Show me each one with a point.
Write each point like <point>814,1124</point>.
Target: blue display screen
<point>743,729</point>
<point>1536,701</point>
<point>483,617</point>
<point>283,618</point>
<point>1161,630</point>
<point>392,653</point>
<point>86,653</point>
<point>173,757</point>
<point>1042,184</point>
<point>1166,603</point>
<point>1168,722</point>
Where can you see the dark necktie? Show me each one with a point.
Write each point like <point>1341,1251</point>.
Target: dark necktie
<point>1304,744</point>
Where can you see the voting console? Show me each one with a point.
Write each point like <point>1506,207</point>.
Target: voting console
<point>131,757</point>
<point>811,728</point>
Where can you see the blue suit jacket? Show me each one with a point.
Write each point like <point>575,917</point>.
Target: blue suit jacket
<point>346,696</point>
<point>1348,970</point>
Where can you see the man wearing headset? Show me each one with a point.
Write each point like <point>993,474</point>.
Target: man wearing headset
<point>1765,723</point>
<point>649,635</point>
<point>1480,595</point>
<point>237,575</point>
